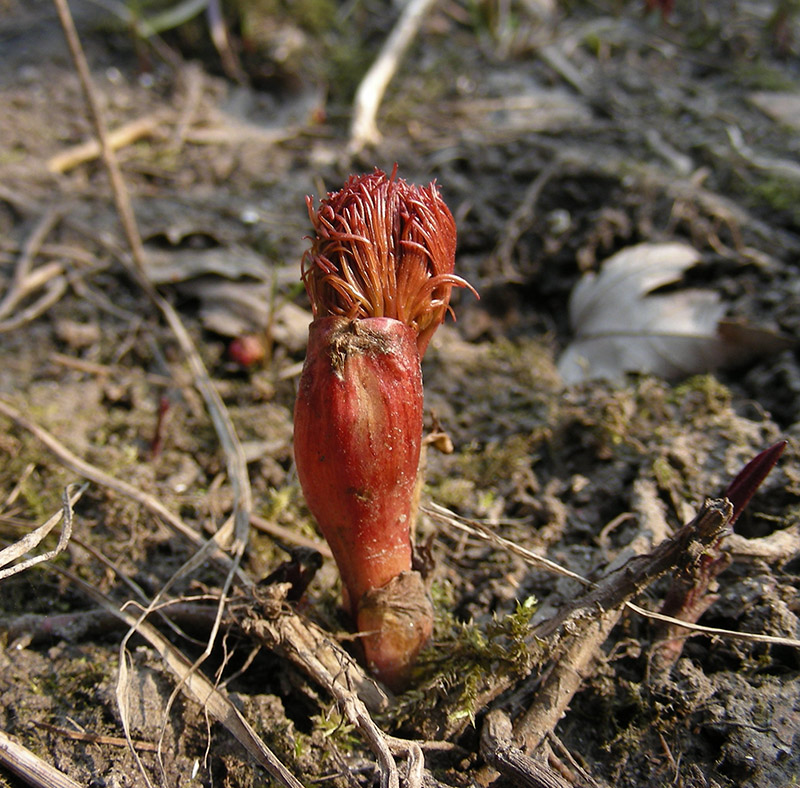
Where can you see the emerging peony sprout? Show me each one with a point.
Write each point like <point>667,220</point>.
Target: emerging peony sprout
<point>383,248</point>
<point>379,275</point>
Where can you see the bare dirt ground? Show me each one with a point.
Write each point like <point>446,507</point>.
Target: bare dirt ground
<point>558,136</point>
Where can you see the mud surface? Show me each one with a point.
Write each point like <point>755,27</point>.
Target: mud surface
<point>558,136</point>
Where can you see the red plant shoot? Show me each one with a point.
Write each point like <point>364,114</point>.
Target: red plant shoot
<point>379,275</point>
<point>383,248</point>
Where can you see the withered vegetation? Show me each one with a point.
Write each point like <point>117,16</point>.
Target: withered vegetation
<point>557,136</point>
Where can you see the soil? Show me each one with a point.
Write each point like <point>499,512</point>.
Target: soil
<point>558,136</point>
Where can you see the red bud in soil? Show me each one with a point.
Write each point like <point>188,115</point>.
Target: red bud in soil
<point>357,436</point>
<point>247,350</point>
<point>383,248</point>
<point>379,275</point>
<point>749,479</point>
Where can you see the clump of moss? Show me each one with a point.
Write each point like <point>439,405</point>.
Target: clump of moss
<point>782,195</point>
<point>464,663</point>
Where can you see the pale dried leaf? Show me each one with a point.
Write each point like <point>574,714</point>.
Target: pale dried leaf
<point>180,265</point>
<point>232,309</point>
<point>620,328</point>
<point>236,289</point>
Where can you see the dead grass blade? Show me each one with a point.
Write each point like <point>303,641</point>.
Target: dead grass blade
<point>31,768</point>
<point>443,515</point>
<point>208,548</point>
<point>364,129</point>
<point>19,287</point>
<point>197,686</point>
<point>26,280</point>
<point>32,540</point>
<point>53,290</point>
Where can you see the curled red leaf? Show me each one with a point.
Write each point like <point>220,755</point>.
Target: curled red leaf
<point>749,479</point>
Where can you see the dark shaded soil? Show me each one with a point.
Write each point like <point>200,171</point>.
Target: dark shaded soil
<point>557,137</point>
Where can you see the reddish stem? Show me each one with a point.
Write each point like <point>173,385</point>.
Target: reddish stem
<point>749,479</point>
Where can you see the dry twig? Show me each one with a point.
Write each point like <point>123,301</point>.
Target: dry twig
<point>30,767</point>
<point>499,752</point>
<point>519,221</point>
<point>95,738</point>
<point>33,539</point>
<point>270,621</point>
<point>117,139</point>
<point>578,629</point>
<point>583,626</point>
<point>309,647</point>
<point>364,129</point>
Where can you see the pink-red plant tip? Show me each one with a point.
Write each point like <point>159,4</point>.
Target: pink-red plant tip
<point>247,350</point>
<point>357,438</point>
<point>749,479</point>
<point>379,275</point>
<point>383,248</point>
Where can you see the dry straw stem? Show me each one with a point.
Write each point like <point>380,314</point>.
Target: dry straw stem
<point>94,738</point>
<point>19,287</point>
<point>31,768</point>
<point>30,541</point>
<point>117,139</point>
<point>197,686</point>
<point>364,129</point>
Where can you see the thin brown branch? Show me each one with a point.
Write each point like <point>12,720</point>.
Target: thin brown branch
<point>95,738</point>
<point>26,279</point>
<point>289,535</point>
<point>53,291</point>
<point>581,628</point>
<point>234,454</point>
